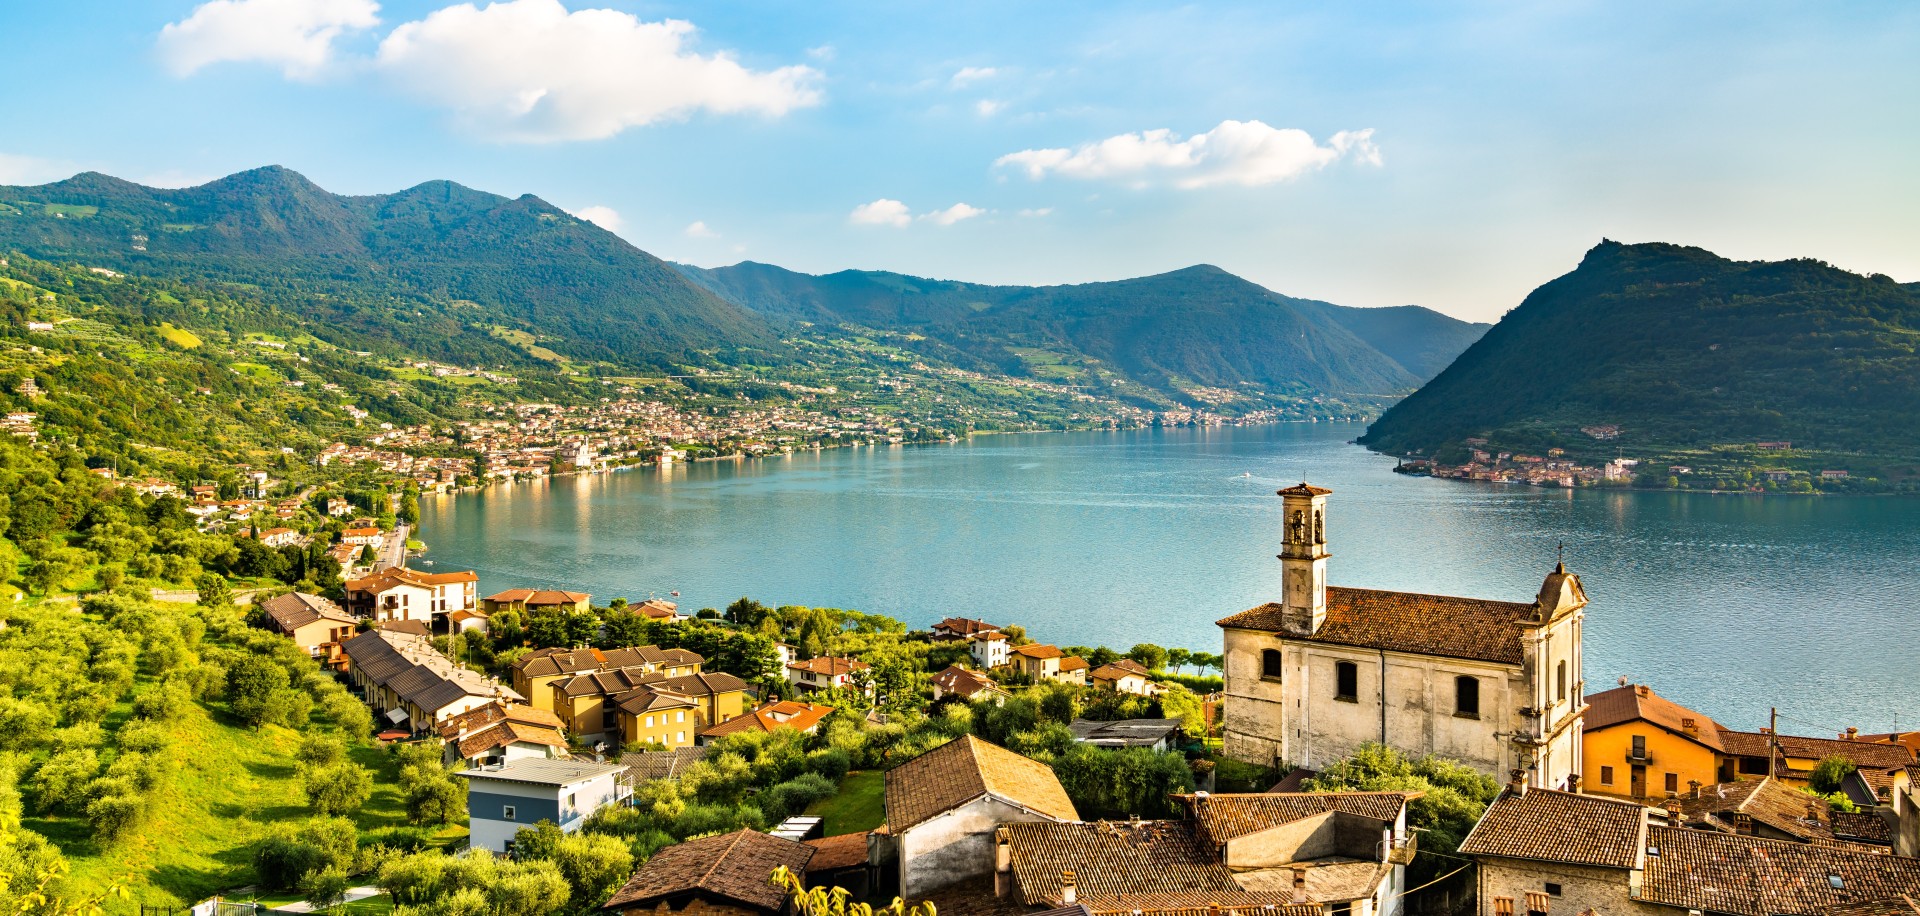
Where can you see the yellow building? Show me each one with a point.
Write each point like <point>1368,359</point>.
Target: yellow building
<point>1640,745</point>
<point>596,705</point>
<point>663,717</point>
<point>535,673</point>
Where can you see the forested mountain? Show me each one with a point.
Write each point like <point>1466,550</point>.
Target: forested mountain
<point>1679,347</point>
<point>437,268</point>
<point>1198,326</point>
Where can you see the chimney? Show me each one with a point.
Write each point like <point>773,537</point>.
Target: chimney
<point>1813,811</point>
<point>1518,783</point>
<point>1069,894</point>
<point>1853,734</point>
<point>1694,785</point>
<point>1299,884</point>
<point>1573,783</point>
<point>1640,690</point>
<point>1673,809</point>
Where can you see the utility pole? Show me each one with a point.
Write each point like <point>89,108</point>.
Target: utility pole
<point>1773,739</point>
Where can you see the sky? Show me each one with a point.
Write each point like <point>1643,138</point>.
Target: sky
<point>1449,154</point>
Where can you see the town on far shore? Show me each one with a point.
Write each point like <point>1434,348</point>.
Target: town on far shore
<point>1347,752</point>
<point>1773,466</point>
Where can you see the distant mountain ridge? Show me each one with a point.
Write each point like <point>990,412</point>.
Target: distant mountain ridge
<point>452,273</point>
<point>1678,347</point>
<point>531,263</point>
<point>1225,331</point>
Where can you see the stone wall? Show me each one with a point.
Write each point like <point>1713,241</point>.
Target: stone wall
<point>1604,890</point>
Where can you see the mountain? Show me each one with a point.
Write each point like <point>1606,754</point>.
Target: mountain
<point>1200,326</point>
<point>432,264</point>
<point>1679,347</point>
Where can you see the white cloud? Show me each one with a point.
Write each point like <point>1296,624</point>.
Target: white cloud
<point>295,35</point>
<point>967,76</point>
<point>882,212</point>
<point>952,214</point>
<point>1037,212</point>
<point>605,217</point>
<point>987,108</point>
<point>530,70</point>
<point>698,230</point>
<point>33,169</point>
<point>1245,153</point>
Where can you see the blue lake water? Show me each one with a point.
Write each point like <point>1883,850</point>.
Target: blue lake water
<point>1728,604</point>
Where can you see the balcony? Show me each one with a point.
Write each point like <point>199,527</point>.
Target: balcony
<point>1639,756</point>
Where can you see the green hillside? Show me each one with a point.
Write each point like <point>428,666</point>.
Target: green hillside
<point>1682,349</point>
<point>1200,326</point>
<point>433,268</point>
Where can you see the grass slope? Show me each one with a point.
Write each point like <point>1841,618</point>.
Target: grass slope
<point>859,806</point>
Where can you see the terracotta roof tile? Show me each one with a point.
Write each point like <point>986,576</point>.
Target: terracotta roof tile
<point>1109,859</point>
<point>1636,702</point>
<point>837,852</point>
<point>1866,754</point>
<point>1767,801</point>
<point>776,715</point>
<point>964,769</point>
<point>1224,817</point>
<point>1898,905</point>
<point>963,681</point>
<point>735,866</point>
<point>1749,876</point>
<point>1036,650</point>
<point>1471,628</point>
<point>1554,826</point>
<point>829,666</point>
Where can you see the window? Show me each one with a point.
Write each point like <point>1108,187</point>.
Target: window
<point>506,812</point>
<point>649,721</point>
<point>1673,783</point>
<point>1346,681</point>
<point>1753,766</point>
<point>1553,890</point>
<point>1560,680</point>
<point>1466,696</point>
<point>573,800</point>
<point>1606,776</point>
<point>680,716</point>
<point>1272,664</point>
<point>679,736</point>
<point>1639,747</point>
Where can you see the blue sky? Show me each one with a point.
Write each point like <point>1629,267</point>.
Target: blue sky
<point>1454,155</point>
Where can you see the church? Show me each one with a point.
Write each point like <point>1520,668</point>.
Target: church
<point>1493,684</point>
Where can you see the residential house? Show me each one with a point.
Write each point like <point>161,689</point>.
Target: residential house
<point>590,703</point>
<point>657,716</point>
<point>658,610</point>
<point>1768,808</point>
<point>954,628</point>
<point>364,537</point>
<point>991,650</point>
<point>1280,854</point>
<point>535,672</point>
<point>280,537</point>
<point>1123,676</point>
<point>1048,663</point>
<point>1793,758</point>
<point>312,622</point>
<point>502,732</point>
<point>337,507</point>
<point>1638,744</point>
<point>531,599</point>
<point>824,673</point>
<point>966,684</point>
<point>504,799</point>
<point>793,714</point>
<point>944,806</point>
<point>725,875</point>
<point>1542,851</point>
<point>410,684</point>
<point>398,593</point>
<point>1152,734</point>
<point>1309,678</point>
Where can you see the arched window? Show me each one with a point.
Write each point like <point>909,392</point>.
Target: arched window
<point>1466,696</point>
<point>1346,681</point>
<point>1560,681</point>
<point>1272,664</point>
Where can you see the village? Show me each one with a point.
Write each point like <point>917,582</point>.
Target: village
<point>963,766</point>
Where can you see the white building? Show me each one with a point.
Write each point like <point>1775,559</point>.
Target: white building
<point>991,650</point>
<point>505,799</point>
<point>944,806</point>
<point>1494,684</point>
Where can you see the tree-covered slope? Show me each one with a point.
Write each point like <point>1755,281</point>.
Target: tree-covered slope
<point>1677,346</point>
<point>1198,326</point>
<point>430,265</point>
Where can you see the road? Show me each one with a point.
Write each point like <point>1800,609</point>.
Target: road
<point>395,551</point>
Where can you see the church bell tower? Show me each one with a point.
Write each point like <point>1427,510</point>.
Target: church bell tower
<point>1303,558</point>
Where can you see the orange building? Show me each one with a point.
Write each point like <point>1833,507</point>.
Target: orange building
<point>1638,744</point>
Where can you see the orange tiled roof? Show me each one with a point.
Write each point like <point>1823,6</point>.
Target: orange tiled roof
<point>967,768</point>
<point>1072,663</point>
<point>1637,702</point>
<point>1551,826</point>
<point>781,714</point>
<point>1036,650</point>
<point>1865,754</point>
<point>829,666</point>
<point>1470,628</point>
<point>955,679</point>
<point>734,866</point>
<point>837,852</point>
<point>1749,876</point>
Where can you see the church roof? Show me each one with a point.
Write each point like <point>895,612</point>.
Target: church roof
<point>1304,489</point>
<point>1469,628</point>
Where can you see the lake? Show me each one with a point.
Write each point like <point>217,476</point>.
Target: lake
<point>1728,604</point>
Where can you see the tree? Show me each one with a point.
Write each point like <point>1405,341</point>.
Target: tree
<point>338,789</point>
<point>1455,797</point>
<point>252,684</point>
<point>1830,773</point>
<point>1178,658</point>
<point>435,800</point>
<point>821,900</point>
<point>1150,656</point>
<point>213,590</point>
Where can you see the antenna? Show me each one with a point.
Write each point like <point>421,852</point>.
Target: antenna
<point>1562,550</point>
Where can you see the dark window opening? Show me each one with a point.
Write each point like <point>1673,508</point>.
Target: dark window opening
<point>1606,776</point>
<point>1640,747</point>
<point>1466,696</point>
<point>1753,766</point>
<point>1673,783</point>
<point>1560,679</point>
<point>1272,664</point>
<point>1346,681</point>
<point>1553,889</point>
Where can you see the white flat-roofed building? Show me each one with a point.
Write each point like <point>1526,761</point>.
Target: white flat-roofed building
<point>506,798</point>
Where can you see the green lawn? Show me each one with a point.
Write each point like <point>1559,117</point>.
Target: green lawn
<point>230,785</point>
<point>859,806</point>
